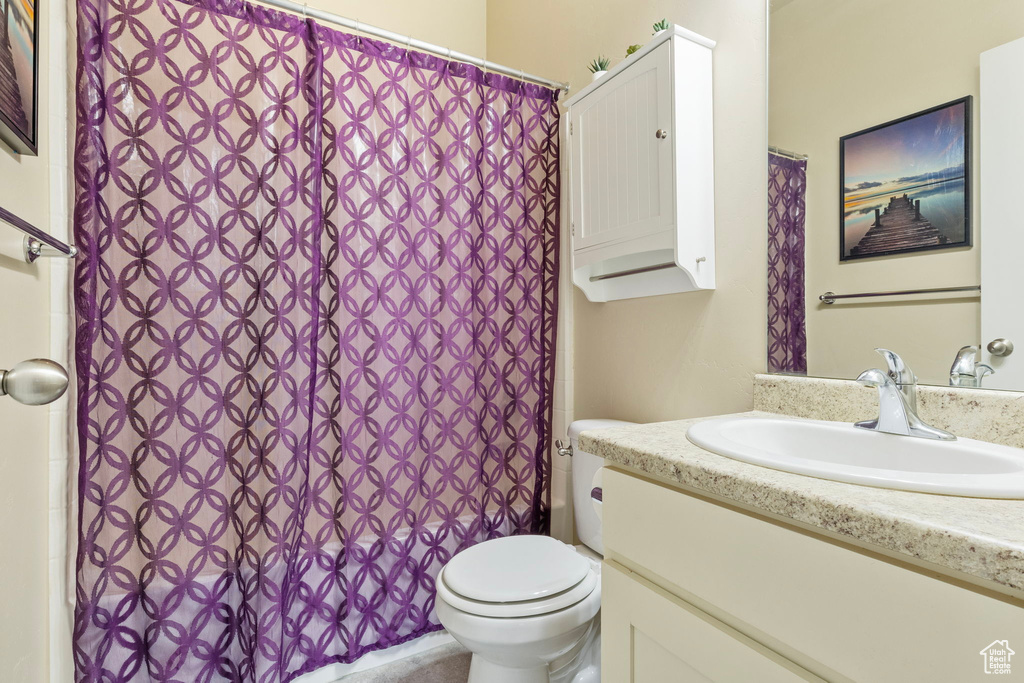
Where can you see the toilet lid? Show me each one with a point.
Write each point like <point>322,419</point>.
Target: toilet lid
<point>515,569</point>
<point>527,608</point>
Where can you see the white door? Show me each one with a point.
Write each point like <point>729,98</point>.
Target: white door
<point>1002,232</point>
<point>621,168</point>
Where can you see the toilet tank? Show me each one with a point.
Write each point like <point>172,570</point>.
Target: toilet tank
<point>584,467</point>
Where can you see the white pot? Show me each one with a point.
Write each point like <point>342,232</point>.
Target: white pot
<point>596,75</point>
<point>660,32</point>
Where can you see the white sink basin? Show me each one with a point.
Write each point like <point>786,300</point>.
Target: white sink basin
<point>842,452</point>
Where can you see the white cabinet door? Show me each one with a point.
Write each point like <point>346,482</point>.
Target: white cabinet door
<point>650,636</point>
<point>621,170</point>
<point>1002,236</point>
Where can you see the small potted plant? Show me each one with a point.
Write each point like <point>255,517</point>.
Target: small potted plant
<point>599,67</point>
<point>632,48</point>
<point>661,26</point>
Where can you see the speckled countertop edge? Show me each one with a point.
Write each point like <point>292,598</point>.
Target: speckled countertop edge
<point>981,538</point>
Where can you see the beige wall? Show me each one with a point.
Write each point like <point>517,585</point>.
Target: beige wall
<point>24,309</point>
<point>840,67</point>
<point>681,355</point>
<point>458,24</point>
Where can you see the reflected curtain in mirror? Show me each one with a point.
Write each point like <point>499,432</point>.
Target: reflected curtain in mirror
<point>787,335</point>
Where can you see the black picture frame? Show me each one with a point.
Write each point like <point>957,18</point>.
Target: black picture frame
<point>889,245</point>
<point>20,136</point>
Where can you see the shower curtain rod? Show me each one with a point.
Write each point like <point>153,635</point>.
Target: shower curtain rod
<point>410,42</point>
<point>786,153</point>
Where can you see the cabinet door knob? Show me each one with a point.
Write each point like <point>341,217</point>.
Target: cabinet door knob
<point>661,134</point>
<point>1000,347</point>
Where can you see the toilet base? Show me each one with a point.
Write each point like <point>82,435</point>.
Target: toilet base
<point>483,671</point>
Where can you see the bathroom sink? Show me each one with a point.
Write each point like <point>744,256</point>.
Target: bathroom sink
<point>841,452</point>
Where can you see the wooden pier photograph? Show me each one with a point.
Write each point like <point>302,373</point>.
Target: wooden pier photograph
<point>906,184</point>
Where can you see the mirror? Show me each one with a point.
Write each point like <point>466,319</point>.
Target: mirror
<point>876,195</point>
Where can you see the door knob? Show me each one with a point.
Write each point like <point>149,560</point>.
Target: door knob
<point>34,382</point>
<point>661,134</point>
<point>1000,347</point>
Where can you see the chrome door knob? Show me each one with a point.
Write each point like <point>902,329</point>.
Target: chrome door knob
<point>661,134</point>
<point>34,382</point>
<point>1000,347</point>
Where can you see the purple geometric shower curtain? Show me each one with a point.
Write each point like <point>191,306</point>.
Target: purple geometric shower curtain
<point>315,335</point>
<point>787,336</point>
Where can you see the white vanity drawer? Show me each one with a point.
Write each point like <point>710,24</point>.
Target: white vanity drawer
<point>839,612</point>
<point>648,636</point>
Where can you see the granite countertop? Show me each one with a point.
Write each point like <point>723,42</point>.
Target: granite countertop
<point>980,538</point>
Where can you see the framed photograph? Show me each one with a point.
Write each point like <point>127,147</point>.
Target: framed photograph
<point>19,75</point>
<point>905,185</point>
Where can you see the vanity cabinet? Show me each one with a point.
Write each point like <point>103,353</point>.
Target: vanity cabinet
<point>698,590</point>
<point>651,636</point>
<point>641,176</point>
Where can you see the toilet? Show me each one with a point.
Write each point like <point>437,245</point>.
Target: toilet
<point>528,607</point>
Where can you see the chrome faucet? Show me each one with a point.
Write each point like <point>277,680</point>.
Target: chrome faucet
<point>966,370</point>
<point>897,401</point>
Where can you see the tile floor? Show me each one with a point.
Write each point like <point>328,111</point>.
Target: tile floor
<point>445,664</point>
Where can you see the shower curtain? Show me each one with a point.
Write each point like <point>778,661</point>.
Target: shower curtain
<point>787,336</point>
<point>315,328</point>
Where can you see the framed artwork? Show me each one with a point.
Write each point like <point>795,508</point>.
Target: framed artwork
<point>905,185</point>
<point>19,72</point>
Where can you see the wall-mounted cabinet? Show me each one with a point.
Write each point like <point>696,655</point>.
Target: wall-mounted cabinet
<point>641,173</point>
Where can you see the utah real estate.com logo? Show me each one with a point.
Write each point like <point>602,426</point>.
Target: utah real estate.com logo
<point>997,657</point>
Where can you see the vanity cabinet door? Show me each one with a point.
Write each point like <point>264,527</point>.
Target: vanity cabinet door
<point>621,154</point>
<point>650,636</point>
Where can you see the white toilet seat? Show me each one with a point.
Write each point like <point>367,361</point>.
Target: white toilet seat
<point>514,569</point>
<point>518,608</point>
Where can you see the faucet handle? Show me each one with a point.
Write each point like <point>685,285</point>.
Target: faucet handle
<point>892,420</point>
<point>966,370</point>
<point>874,378</point>
<point>965,360</point>
<point>896,414</point>
<point>899,371</point>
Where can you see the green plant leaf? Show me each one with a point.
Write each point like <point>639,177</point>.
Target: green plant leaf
<point>601,63</point>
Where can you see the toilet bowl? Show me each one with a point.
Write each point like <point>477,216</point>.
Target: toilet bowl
<point>540,606</point>
<point>528,607</point>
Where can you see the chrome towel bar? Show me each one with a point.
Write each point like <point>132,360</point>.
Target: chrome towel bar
<point>632,271</point>
<point>37,243</point>
<point>832,297</point>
